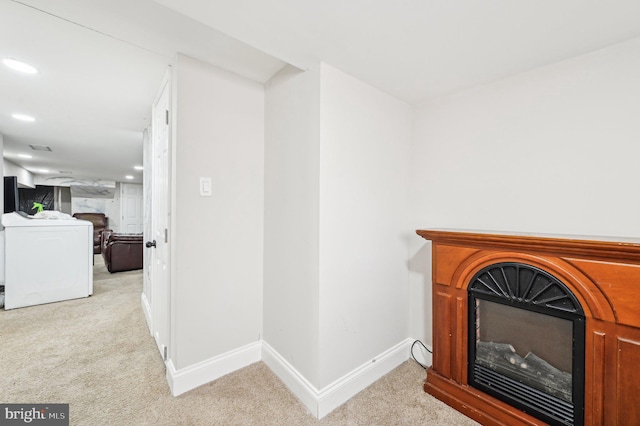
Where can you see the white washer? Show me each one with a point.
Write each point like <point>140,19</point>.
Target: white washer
<point>46,260</point>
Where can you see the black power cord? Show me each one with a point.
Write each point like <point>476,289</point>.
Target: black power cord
<point>414,358</point>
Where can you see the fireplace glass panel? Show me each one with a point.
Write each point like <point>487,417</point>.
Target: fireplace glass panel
<point>530,347</point>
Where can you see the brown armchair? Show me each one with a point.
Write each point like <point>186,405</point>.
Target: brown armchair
<point>122,252</point>
<point>100,223</point>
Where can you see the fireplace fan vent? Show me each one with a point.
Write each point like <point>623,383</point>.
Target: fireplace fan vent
<point>524,284</point>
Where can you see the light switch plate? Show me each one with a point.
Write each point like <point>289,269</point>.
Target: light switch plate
<point>205,187</point>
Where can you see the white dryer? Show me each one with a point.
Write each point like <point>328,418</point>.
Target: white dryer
<point>46,260</point>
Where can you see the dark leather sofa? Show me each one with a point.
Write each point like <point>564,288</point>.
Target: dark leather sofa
<point>100,223</point>
<point>122,252</point>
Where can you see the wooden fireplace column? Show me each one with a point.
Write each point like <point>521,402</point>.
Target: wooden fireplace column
<point>603,274</point>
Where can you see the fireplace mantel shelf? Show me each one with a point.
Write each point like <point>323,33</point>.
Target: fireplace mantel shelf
<point>604,275</point>
<point>592,246</point>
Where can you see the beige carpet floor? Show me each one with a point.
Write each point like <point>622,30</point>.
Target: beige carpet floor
<point>97,355</point>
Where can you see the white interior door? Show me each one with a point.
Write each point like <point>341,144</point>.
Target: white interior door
<point>160,222</point>
<point>131,208</point>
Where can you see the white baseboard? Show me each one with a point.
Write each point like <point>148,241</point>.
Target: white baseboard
<point>319,402</point>
<point>345,388</point>
<point>146,308</point>
<point>293,380</point>
<point>183,380</point>
<point>322,402</point>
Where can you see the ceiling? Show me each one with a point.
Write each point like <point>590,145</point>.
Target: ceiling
<point>101,62</point>
<point>100,66</point>
<point>420,49</point>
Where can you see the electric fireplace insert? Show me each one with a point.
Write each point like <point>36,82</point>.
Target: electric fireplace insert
<point>527,341</point>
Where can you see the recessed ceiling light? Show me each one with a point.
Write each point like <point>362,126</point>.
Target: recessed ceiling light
<point>23,117</point>
<point>25,156</point>
<point>138,167</point>
<point>17,65</point>
<point>43,170</point>
<point>129,177</point>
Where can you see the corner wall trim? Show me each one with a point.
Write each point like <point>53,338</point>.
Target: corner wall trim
<point>183,380</point>
<point>293,380</point>
<point>322,402</point>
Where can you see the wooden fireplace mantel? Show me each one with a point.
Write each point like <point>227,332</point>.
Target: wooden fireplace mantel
<point>604,275</point>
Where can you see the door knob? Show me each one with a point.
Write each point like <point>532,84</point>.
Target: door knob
<point>150,244</point>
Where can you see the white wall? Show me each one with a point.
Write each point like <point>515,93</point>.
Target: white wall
<point>364,220</point>
<point>336,218</point>
<point>109,206</point>
<point>25,177</point>
<point>553,150</point>
<point>2,169</point>
<point>292,139</point>
<point>217,242</point>
<point>2,211</point>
